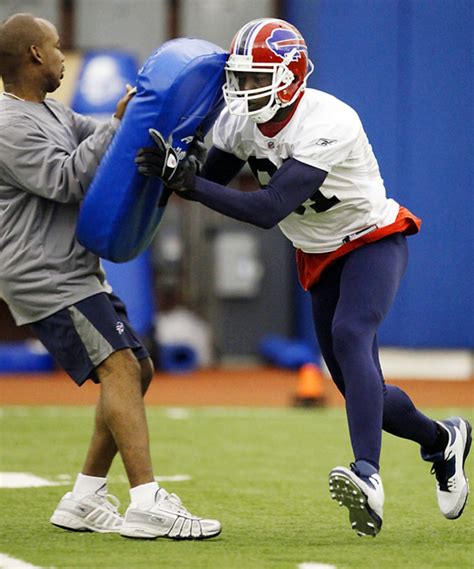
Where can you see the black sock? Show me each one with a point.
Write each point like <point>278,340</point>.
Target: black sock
<point>441,441</point>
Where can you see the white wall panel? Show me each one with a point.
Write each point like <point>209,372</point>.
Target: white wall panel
<point>138,26</point>
<point>47,9</point>
<point>219,20</point>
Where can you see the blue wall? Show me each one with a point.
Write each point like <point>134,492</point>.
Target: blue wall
<point>407,67</point>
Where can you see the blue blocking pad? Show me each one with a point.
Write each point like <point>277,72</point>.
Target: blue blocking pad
<point>178,90</point>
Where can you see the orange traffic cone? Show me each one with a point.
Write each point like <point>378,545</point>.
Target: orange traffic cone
<point>309,387</point>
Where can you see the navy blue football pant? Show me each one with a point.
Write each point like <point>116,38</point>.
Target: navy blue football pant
<point>349,303</point>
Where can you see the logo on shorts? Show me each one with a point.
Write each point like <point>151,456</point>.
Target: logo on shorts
<point>119,326</point>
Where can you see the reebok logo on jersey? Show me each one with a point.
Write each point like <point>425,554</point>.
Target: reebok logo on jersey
<point>282,42</point>
<point>119,326</point>
<point>326,141</point>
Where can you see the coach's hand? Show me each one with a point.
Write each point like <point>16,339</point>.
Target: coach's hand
<point>123,103</point>
<point>162,161</point>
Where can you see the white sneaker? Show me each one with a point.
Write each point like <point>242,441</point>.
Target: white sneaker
<point>167,518</point>
<point>364,499</point>
<point>452,486</point>
<point>94,512</point>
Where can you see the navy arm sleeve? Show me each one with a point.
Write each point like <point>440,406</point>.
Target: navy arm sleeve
<point>221,167</point>
<point>289,187</point>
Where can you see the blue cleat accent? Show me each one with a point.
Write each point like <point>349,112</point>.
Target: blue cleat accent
<point>452,486</point>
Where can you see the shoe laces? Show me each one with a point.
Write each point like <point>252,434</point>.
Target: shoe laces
<point>110,502</point>
<point>446,481</point>
<point>173,501</point>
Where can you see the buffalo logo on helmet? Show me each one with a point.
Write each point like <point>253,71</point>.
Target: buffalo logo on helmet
<point>284,41</point>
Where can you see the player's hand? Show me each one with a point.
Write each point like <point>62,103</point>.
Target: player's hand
<point>197,149</point>
<point>162,161</point>
<point>122,104</point>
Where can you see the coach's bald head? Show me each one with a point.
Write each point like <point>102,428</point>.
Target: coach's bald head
<point>30,55</point>
<point>17,35</point>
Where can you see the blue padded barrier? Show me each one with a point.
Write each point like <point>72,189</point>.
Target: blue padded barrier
<point>287,353</point>
<point>24,357</point>
<point>177,358</point>
<point>178,90</point>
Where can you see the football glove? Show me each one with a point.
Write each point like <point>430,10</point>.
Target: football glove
<point>197,150</point>
<point>162,161</point>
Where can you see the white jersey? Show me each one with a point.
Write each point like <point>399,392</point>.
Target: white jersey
<point>325,133</point>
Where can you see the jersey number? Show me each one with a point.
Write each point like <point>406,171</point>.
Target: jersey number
<point>320,203</point>
<point>263,170</point>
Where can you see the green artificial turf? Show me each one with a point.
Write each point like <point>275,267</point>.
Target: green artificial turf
<point>262,472</point>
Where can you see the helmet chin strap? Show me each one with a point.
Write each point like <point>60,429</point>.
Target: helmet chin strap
<point>265,114</point>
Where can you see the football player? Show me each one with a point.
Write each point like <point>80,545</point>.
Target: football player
<point>320,182</point>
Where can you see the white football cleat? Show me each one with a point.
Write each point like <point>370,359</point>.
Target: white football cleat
<point>363,497</point>
<point>94,512</point>
<point>167,518</point>
<point>452,486</point>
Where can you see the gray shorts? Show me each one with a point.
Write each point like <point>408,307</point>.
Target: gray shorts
<point>83,335</point>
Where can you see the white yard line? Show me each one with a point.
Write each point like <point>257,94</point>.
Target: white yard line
<point>28,480</point>
<point>177,413</point>
<point>174,478</point>
<point>158,478</point>
<point>7,562</point>
<point>312,565</point>
<point>25,480</point>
